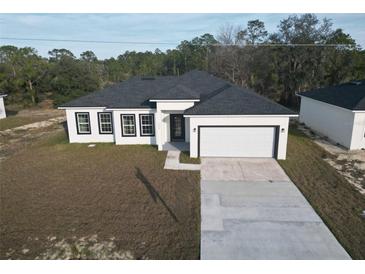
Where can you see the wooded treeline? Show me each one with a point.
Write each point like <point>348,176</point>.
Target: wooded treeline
<point>302,54</point>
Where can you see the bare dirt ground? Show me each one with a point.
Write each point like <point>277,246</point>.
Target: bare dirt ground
<point>71,201</point>
<point>41,112</point>
<point>40,125</point>
<point>350,164</point>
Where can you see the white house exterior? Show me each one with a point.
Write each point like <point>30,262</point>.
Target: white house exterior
<point>214,118</point>
<point>2,106</point>
<point>337,113</point>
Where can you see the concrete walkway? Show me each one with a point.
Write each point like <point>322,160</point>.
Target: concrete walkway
<point>172,162</point>
<point>251,210</point>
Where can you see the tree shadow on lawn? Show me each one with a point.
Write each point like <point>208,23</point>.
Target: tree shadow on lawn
<point>154,193</point>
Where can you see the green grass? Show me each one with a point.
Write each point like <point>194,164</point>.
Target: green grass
<point>334,199</point>
<point>185,158</point>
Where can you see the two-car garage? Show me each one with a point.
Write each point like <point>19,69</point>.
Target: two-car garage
<point>237,141</point>
<point>254,136</point>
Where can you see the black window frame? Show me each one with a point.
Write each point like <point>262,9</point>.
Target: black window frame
<point>111,122</point>
<point>153,124</point>
<point>121,122</point>
<point>77,123</point>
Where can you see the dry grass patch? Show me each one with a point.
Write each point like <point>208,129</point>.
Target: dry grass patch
<point>334,199</point>
<point>185,158</point>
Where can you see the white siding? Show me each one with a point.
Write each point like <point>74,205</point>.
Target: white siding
<point>2,108</point>
<point>131,140</point>
<point>94,137</point>
<point>162,126</point>
<point>164,109</point>
<point>334,122</point>
<point>281,121</point>
<point>358,132</point>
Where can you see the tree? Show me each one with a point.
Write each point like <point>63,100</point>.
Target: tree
<point>27,70</point>
<point>254,33</point>
<point>34,69</point>
<point>302,55</point>
<point>196,51</point>
<point>58,54</point>
<point>88,56</point>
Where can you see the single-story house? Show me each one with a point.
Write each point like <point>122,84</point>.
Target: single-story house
<point>337,112</point>
<point>2,106</point>
<point>212,117</point>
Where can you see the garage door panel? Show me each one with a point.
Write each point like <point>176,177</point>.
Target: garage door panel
<point>237,141</point>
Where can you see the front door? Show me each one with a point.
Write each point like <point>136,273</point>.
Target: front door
<point>177,127</point>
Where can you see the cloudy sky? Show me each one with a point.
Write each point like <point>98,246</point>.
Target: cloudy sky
<point>168,29</point>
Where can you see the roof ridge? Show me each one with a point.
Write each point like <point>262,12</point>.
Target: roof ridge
<point>217,91</point>
<point>210,96</point>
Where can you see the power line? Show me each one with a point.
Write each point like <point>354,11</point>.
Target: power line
<point>87,41</point>
<point>171,43</point>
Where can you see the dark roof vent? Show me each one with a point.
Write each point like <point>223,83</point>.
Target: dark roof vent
<point>148,78</point>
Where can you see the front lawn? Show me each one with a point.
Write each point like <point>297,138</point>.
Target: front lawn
<point>334,199</point>
<point>61,200</point>
<point>184,158</point>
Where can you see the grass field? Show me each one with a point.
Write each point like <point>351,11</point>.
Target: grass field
<point>65,198</point>
<point>334,199</point>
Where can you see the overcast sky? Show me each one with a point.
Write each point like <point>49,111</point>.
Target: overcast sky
<point>155,28</point>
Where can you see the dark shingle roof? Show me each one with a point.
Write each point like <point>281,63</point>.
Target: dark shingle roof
<point>217,97</point>
<point>235,101</point>
<point>178,92</point>
<point>349,95</point>
<point>133,93</point>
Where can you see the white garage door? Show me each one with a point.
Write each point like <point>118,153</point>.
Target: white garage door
<point>237,141</point>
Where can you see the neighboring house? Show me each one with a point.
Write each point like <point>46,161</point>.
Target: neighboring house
<point>212,116</point>
<point>337,112</point>
<point>2,106</point>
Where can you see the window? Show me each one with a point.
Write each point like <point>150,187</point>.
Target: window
<point>83,123</point>
<point>147,126</point>
<point>105,122</point>
<point>128,125</point>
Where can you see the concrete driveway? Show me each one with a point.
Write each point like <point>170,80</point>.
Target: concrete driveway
<point>251,210</point>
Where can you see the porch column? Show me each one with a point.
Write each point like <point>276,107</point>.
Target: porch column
<point>159,128</point>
